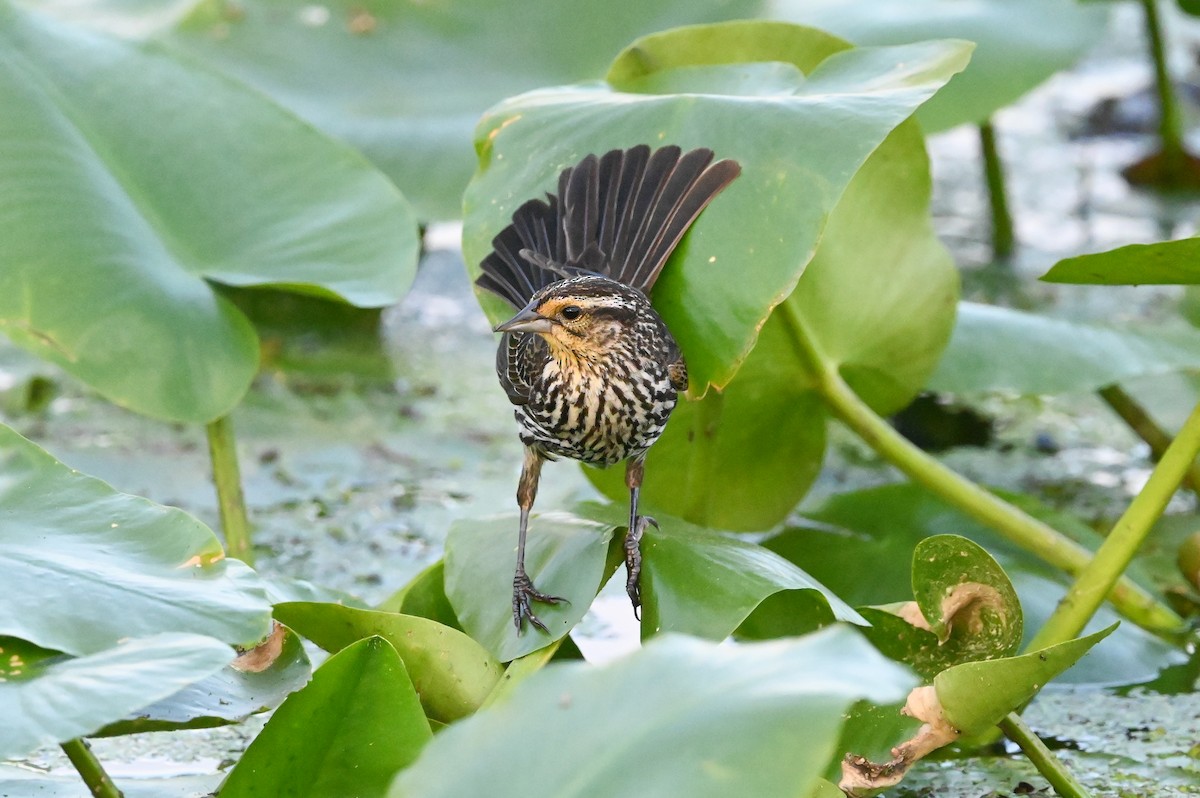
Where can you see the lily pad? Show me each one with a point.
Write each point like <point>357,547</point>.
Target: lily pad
<point>405,81</point>
<point>120,206</point>
<point>254,682</point>
<point>47,697</point>
<point>453,674</point>
<point>1164,263</point>
<point>1057,356</point>
<point>876,531</point>
<point>564,556</point>
<point>85,566</point>
<point>799,144</point>
<point>347,733</point>
<point>1019,43</point>
<point>966,597</point>
<point>743,458</point>
<point>705,583</point>
<point>679,717</point>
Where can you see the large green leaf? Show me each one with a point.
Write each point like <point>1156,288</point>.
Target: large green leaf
<point>800,132</point>
<point>877,301</point>
<point>48,698</point>
<point>1000,349</point>
<point>347,733</point>
<point>85,566</point>
<point>679,717</point>
<point>452,673</point>
<point>405,81</point>
<point>1164,263</point>
<point>861,544</point>
<point>255,682</point>
<point>118,206</point>
<point>704,583</point>
<point>564,556</point>
<point>1020,43</point>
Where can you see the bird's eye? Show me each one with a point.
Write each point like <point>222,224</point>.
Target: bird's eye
<point>572,312</point>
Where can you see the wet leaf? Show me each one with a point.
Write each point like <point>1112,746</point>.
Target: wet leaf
<point>1019,43</point>
<point>228,696</point>
<point>120,206</point>
<point>1163,263</point>
<point>877,300</point>
<point>975,696</point>
<point>875,531</point>
<point>966,598</point>
<point>347,733</point>
<point>756,719</point>
<point>799,148</point>
<point>451,672</point>
<point>564,556</point>
<point>85,566</point>
<point>47,697</point>
<point>1056,356</point>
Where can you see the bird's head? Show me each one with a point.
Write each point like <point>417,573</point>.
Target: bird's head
<point>584,317</point>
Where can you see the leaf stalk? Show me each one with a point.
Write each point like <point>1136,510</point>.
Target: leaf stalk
<point>98,781</point>
<point>222,449</point>
<point>1035,536</point>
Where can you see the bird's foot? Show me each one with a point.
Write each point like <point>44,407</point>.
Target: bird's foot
<point>633,561</point>
<point>523,593</point>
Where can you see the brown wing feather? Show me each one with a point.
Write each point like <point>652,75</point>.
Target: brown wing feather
<point>620,215</point>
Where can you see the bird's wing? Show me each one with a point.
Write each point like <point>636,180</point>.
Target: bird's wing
<point>620,215</point>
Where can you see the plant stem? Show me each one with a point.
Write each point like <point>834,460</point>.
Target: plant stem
<point>1122,543</point>
<point>89,767</point>
<point>1170,122</point>
<point>1042,758</point>
<point>1017,526</point>
<point>1145,427</point>
<point>222,447</point>
<point>1003,238</point>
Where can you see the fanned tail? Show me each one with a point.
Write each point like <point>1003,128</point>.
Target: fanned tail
<point>620,215</point>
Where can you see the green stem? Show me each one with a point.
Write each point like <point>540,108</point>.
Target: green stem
<point>1017,526</point>
<point>1122,543</point>
<point>89,767</point>
<point>1170,122</point>
<point>222,447</point>
<point>1003,238</point>
<point>1147,429</point>
<point>1043,758</point>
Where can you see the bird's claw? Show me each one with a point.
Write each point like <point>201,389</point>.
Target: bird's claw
<point>633,561</point>
<point>523,593</point>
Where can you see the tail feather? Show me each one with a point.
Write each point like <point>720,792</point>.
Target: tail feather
<point>620,215</point>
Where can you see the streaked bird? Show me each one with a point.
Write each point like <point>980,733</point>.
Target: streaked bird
<point>591,368</point>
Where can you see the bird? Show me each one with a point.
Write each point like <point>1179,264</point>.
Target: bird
<point>590,367</point>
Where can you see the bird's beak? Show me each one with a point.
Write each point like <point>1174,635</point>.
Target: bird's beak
<point>527,321</point>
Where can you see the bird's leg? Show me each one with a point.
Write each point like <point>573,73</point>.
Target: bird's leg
<point>523,589</point>
<point>634,470</point>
